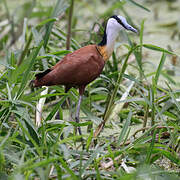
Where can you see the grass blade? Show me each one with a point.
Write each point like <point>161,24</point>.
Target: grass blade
<point>66,167</point>
<point>55,109</point>
<point>160,68</point>
<point>60,7</point>
<point>150,149</point>
<point>125,128</point>
<point>32,61</point>
<point>139,5</point>
<point>156,48</point>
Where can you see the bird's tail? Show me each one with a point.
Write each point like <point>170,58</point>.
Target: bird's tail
<point>40,81</point>
<point>40,75</point>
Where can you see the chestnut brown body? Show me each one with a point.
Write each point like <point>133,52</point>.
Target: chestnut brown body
<point>74,70</point>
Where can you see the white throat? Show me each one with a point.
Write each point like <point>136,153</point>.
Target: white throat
<point>112,31</point>
<point>111,38</point>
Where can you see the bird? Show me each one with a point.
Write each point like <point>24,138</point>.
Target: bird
<point>79,68</point>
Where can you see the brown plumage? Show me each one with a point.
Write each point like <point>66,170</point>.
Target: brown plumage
<point>81,67</point>
<point>76,69</point>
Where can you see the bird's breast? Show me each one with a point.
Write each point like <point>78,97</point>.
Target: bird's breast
<point>104,52</point>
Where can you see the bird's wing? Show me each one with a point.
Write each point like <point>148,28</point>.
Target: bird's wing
<point>79,67</point>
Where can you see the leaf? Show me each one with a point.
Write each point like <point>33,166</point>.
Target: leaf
<point>30,127</point>
<point>66,167</point>
<point>55,109</point>
<point>125,128</point>
<point>143,136</point>
<point>26,74</point>
<point>59,8</point>
<point>48,95</point>
<point>169,78</point>
<point>160,68</point>
<point>98,176</point>
<point>93,156</point>
<point>141,32</point>
<point>89,140</point>
<point>173,158</point>
<point>139,5</point>
<point>59,171</point>
<point>150,149</point>
<point>5,139</point>
<point>50,20</point>
<point>54,54</point>
<point>30,165</point>
<point>80,124</point>
<point>156,48</point>
<point>26,132</point>
<point>89,114</point>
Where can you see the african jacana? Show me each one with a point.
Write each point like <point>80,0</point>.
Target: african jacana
<point>79,68</point>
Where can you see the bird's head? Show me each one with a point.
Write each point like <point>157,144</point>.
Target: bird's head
<point>118,23</point>
<point>113,26</point>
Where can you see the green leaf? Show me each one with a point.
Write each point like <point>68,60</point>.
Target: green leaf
<point>30,165</point>
<point>173,158</point>
<point>59,8</point>
<point>150,149</point>
<point>156,48</point>
<point>50,20</point>
<point>26,74</point>
<point>30,127</point>
<point>98,176</point>
<point>89,140</point>
<point>66,167</point>
<point>26,132</point>
<point>93,156</point>
<point>143,136</point>
<point>139,5</point>
<point>54,54</point>
<point>160,68</point>
<point>55,109</point>
<point>141,32</point>
<point>59,171</point>
<point>169,78</point>
<point>125,128</point>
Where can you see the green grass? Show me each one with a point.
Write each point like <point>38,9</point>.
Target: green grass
<point>139,131</point>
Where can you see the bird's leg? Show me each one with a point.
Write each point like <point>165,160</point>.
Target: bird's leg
<point>81,91</point>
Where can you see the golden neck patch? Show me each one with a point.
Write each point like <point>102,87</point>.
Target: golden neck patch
<point>102,50</point>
